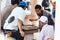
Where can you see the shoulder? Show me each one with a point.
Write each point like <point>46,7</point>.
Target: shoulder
<point>50,27</point>
<point>18,10</point>
<point>46,12</point>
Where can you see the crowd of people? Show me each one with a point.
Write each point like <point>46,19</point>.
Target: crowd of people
<point>14,15</point>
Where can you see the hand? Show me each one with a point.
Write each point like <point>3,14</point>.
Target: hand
<point>22,33</point>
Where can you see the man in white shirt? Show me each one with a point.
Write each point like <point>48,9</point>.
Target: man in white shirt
<point>15,21</point>
<point>46,32</point>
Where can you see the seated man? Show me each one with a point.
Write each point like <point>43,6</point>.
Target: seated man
<point>46,31</point>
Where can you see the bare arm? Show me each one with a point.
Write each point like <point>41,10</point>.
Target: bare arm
<point>20,28</point>
<point>51,2</point>
<point>20,24</point>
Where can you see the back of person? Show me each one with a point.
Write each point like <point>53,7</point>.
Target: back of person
<point>5,13</point>
<point>14,23</point>
<point>46,13</point>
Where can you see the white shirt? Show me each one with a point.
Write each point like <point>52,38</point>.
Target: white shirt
<point>46,32</point>
<point>18,13</point>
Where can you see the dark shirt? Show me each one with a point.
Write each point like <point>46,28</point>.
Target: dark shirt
<point>47,14</point>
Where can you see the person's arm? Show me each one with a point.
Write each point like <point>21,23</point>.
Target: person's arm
<point>20,27</point>
<point>20,24</point>
<point>21,18</point>
<point>51,2</point>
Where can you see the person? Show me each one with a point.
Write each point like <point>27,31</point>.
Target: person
<point>54,7</point>
<point>53,11</point>
<point>46,31</point>
<point>7,11</point>
<point>14,22</point>
<point>40,12</point>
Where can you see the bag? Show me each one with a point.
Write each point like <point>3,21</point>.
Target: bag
<point>45,3</point>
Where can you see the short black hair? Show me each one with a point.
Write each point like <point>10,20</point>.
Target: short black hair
<point>14,2</point>
<point>38,7</point>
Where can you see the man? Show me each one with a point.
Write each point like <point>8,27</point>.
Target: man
<point>7,11</point>
<point>40,12</point>
<point>46,32</point>
<point>54,7</point>
<point>15,21</point>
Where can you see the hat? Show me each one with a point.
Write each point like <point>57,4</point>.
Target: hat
<point>22,3</point>
<point>43,19</point>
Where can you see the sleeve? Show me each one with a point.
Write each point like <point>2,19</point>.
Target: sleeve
<point>49,33</point>
<point>22,16</point>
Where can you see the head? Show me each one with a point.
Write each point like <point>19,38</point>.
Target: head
<point>42,21</point>
<point>23,5</point>
<point>15,2</point>
<point>38,9</point>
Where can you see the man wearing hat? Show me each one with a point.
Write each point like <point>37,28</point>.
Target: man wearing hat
<point>46,31</point>
<point>15,21</point>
